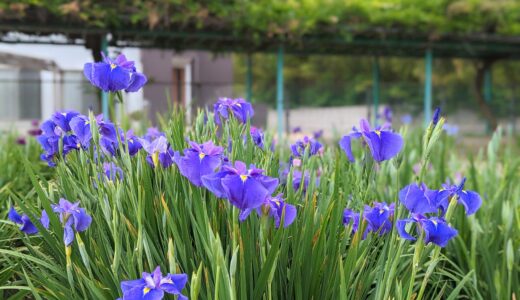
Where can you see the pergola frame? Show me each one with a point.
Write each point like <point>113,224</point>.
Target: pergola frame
<point>343,41</point>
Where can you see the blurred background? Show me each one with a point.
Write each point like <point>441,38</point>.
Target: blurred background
<point>306,65</point>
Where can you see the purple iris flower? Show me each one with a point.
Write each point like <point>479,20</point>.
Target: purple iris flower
<point>436,116</point>
<point>49,141</point>
<point>383,144</point>
<point>70,142</point>
<point>152,133</point>
<point>21,141</point>
<point>387,113</point>
<point>27,225</point>
<point>134,145</point>
<point>317,134</point>
<point>114,75</point>
<point>238,108</point>
<point>35,131</point>
<point>257,135</point>
<point>153,286</point>
<point>299,147</point>
<point>199,160</point>
<point>418,199</point>
<point>469,199</point>
<point>451,129</point>
<point>63,118</point>
<point>80,125</point>
<point>73,218</point>
<point>112,171</point>
<point>379,217</point>
<point>278,208</point>
<point>159,151</point>
<point>297,129</point>
<point>244,188</point>
<point>436,230</point>
<point>351,216</point>
<point>406,119</point>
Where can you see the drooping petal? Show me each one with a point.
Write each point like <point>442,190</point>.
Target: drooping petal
<point>81,220</point>
<point>287,212</point>
<point>346,145</point>
<point>14,216</point>
<point>391,145</point>
<point>131,284</point>
<point>401,228</point>
<point>68,234</point>
<point>100,76</point>
<point>244,214</point>
<point>45,219</point>
<point>437,231</point>
<point>137,81</point>
<point>81,128</point>
<point>373,141</point>
<point>178,281</point>
<point>27,225</point>
<point>213,182</point>
<point>471,201</point>
<point>351,216</point>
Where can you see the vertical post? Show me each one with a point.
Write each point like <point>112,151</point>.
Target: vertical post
<point>375,89</point>
<point>279,91</point>
<point>104,96</point>
<point>428,87</point>
<point>249,77</point>
<point>488,91</point>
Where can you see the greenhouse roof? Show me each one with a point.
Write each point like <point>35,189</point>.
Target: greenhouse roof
<point>380,42</point>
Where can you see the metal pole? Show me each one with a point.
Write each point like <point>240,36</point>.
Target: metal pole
<point>104,96</point>
<point>488,85</point>
<point>279,91</point>
<point>488,91</point>
<point>375,89</point>
<point>428,87</point>
<point>249,77</point>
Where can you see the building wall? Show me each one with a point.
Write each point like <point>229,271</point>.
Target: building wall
<point>211,77</point>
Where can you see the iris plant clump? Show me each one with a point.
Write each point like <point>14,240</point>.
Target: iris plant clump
<point>162,198</point>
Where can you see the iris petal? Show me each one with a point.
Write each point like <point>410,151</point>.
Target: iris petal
<point>391,144</point>
<point>471,201</point>
<point>401,228</point>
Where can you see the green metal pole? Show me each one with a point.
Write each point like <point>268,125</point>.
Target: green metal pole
<point>375,89</point>
<point>488,91</point>
<point>488,86</point>
<point>104,96</point>
<point>249,77</point>
<point>428,87</point>
<point>279,91</point>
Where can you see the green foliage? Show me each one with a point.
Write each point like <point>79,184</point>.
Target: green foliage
<point>272,17</point>
<point>156,217</point>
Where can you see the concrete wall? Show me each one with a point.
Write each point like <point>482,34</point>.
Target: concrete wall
<point>211,77</point>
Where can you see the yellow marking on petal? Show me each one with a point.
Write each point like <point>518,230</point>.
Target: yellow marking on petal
<point>378,132</point>
<point>112,66</point>
<point>202,155</point>
<point>434,222</point>
<point>155,158</point>
<point>381,211</point>
<point>78,145</point>
<point>146,290</point>
<point>243,177</point>
<point>87,122</point>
